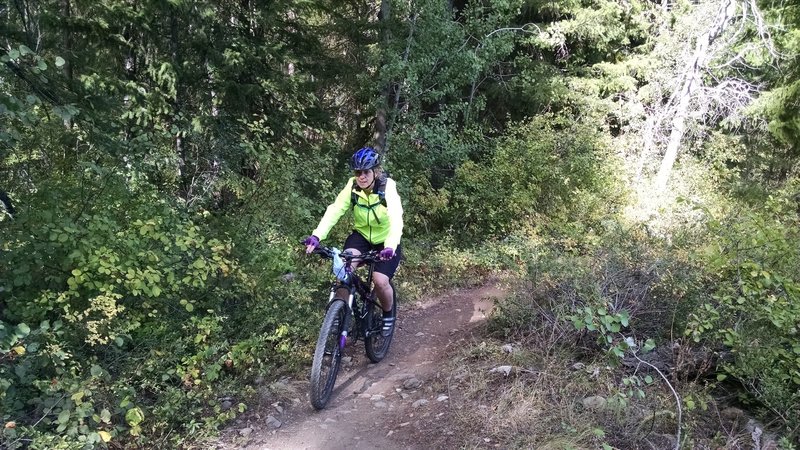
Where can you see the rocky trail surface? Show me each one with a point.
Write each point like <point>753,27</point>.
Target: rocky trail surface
<point>391,405</point>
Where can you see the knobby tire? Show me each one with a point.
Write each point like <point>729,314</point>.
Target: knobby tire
<point>327,355</point>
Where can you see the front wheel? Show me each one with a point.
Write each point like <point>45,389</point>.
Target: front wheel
<point>327,355</point>
<point>376,344</point>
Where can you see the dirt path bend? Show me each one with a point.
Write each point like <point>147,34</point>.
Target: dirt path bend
<point>375,406</point>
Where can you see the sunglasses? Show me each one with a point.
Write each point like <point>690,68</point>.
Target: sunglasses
<point>358,173</point>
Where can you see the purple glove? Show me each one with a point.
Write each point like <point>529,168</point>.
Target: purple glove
<point>311,243</point>
<point>387,253</point>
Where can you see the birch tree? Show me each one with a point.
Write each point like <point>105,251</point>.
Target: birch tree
<point>709,85</point>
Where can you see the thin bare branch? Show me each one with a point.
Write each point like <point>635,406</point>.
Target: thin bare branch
<point>522,29</point>
<point>674,393</point>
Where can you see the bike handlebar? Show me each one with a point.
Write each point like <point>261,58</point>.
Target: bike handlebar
<point>327,253</point>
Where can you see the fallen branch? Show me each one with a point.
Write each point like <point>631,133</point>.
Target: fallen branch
<point>674,392</point>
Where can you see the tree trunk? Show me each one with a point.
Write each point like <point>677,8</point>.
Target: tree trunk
<point>688,88</point>
<point>691,81</point>
<point>183,168</point>
<point>68,42</point>
<point>381,116</point>
<point>392,93</point>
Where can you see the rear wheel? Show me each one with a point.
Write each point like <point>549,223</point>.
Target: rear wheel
<point>376,344</point>
<point>327,355</point>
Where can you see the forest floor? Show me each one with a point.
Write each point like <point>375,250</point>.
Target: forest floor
<point>399,403</point>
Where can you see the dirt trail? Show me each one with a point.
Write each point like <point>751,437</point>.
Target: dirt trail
<point>376,406</point>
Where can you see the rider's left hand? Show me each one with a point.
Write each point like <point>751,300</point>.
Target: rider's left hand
<point>386,253</point>
<point>311,243</point>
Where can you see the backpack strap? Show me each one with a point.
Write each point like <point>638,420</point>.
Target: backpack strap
<point>378,187</point>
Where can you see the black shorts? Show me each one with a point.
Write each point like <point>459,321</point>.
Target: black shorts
<point>360,243</point>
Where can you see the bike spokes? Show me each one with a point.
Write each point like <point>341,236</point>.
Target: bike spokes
<point>328,355</point>
<point>376,344</point>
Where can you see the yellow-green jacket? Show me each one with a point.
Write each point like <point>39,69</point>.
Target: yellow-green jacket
<point>379,224</point>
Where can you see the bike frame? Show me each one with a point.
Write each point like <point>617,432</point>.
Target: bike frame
<point>351,298</point>
<point>355,288</point>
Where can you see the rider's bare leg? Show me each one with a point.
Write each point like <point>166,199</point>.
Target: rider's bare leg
<point>352,251</point>
<point>384,290</point>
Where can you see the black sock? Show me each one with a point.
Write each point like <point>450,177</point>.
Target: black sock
<point>387,314</point>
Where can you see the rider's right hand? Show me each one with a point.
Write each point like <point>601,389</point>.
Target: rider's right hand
<point>311,243</point>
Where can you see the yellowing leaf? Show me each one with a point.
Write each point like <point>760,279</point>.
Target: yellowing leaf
<point>134,416</point>
<point>104,435</point>
<point>20,350</point>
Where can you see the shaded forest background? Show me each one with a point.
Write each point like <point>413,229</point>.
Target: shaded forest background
<point>633,165</point>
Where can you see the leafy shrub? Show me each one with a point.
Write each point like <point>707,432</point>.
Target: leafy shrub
<point>438,266</point>
<point>124,317</point>
<point>755,301</point>
<point>551,166</point>
<point>600,281</point>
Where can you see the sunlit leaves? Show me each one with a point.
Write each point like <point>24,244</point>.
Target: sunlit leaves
<point>755,301</point>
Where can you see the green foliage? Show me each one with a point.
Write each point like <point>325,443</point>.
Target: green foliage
<point>609,289</point>
<point>607,325</point>
<point>435,266</point>
<point>632,388</point>
<point>778,105</point>
<point>142,273</point>
<point>753,306</point>
<point>93,283</point>
<point>144,320</point>
<point>166,159</point>
<point>436,56</point>
<point>569,44</point>
<point>548,166</point>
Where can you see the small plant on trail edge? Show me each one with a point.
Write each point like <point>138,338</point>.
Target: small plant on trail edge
<point>607,324</point>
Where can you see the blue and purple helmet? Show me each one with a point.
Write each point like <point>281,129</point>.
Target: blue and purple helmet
<point>365,159</point>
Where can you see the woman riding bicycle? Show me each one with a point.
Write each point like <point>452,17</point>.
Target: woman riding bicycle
<point>378,223</point>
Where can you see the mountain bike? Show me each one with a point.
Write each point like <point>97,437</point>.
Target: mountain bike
<point>354,312</point>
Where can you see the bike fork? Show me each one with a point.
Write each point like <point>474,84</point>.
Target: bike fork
<point>347,320</point>
<point>348,317</point>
